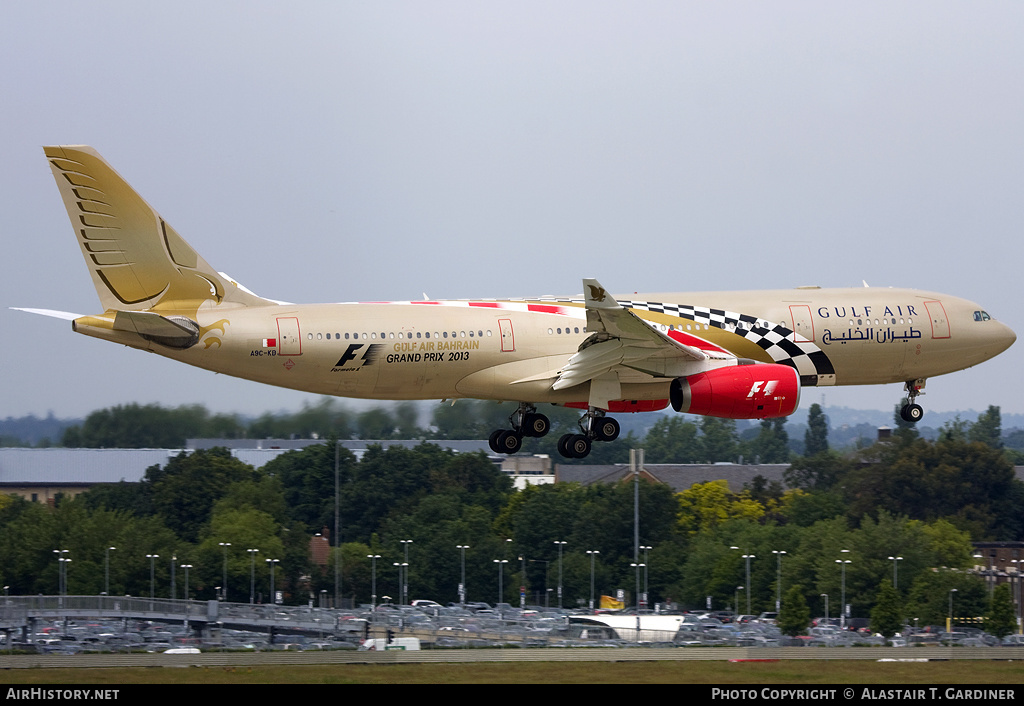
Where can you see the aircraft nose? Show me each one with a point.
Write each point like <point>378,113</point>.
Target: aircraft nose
<point>1002,337</point>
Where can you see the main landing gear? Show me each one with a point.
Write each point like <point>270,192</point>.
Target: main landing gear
<point>911,411</point>
<point>525,421</point>
<point>594,426</point>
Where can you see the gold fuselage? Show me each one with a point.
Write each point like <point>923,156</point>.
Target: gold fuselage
<point>511,350</point>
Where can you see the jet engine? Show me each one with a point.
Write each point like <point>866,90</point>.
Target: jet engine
<point>744,391</point>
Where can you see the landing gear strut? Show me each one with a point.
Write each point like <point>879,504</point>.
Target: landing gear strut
<point>911,411</point>
<point>525,421</point>
<point>594,426</point>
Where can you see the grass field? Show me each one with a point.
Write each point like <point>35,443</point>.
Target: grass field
<point>690,672</point>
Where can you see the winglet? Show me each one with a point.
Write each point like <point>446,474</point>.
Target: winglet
<point>597,297</point>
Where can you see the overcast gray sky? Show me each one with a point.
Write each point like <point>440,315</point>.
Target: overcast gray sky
<point>339,151</point>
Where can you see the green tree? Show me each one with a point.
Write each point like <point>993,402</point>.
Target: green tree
<point>138,426</point>
<point>988,429</point>
<point>816,436</point>
<point>307,482</point>
<point>968,483</point>
<point>245,528</point>
<point>376,423</point>
<point>321,419</point>
<point>805,508</point>
<point>886,616</point>
<point>673,440</point>
<point>772,442</point>
<point>703,506</point>
<point>929,599</point>
<point>794,614</point>
<point>719,439</point>
<point>185,490</point>
<point>821,472</point>
<point>1001,619</point>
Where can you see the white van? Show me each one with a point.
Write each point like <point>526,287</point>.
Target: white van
<point>399,643</point>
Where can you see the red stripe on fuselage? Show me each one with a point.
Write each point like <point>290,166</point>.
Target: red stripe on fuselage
<point>545,308</point>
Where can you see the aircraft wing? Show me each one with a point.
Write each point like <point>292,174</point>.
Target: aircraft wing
<point>622,340</point>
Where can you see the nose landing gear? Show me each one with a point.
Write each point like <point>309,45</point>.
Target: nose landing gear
<point>911,411</point>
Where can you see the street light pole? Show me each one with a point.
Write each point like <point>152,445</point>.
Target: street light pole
<point>636,570</point>
<point>894,560</point>
<point>373,581</point>
<point>224,586</point>
<point>501,577</point>
<point>186,567</point>
<point>842,608</point>
<point>402,567</point>
<point>462,584</point>
<point>152,584</point>
<point>646,595</point>
<point>405,583</point>
<point>778,579</point>
<point>593,554</point>
<point>252,575</point>
<point>106,571</point>
<point>62,572</point>
<point>949,620</point>
<point>273,563</point>
<point>748,557</point>
<point>560,545</point>
<point>522,585</point>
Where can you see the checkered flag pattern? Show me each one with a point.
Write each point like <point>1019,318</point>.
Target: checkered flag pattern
<point>775,339</point>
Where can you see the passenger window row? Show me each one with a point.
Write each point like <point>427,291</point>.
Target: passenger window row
<point>403,335</point>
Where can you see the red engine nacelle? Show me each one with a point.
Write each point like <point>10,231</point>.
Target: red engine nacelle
<point>754,391</point>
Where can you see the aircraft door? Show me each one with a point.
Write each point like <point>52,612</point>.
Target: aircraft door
<point>802,324</point>
<point>289,342</point>
<point>937,315</point>
<point>508,339</point>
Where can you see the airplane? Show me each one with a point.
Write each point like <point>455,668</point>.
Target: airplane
<point>738,355</point>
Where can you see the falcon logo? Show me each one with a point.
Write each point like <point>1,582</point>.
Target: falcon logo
<point>598,294</point>
<point>353,360</point>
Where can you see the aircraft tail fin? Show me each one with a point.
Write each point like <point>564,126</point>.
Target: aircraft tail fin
<point>136,259</point>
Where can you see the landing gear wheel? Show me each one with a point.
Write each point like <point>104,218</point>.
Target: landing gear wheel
<point>509,442</point>
<point>606,429</point>
<point>578,446</point>
<point>492,440</point>
<point>563,445</point>
<point>911,413</point>
<point>536,425</point>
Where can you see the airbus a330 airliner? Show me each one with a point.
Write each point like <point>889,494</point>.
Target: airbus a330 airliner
<point>740,355</point>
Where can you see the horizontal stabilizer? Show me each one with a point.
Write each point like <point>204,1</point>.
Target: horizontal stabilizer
<point>177,332</point>
<point>66,315</point>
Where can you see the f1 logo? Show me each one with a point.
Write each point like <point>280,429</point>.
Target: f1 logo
<point>769,388</point>
<point>350,354</point>
<point>368,357</point>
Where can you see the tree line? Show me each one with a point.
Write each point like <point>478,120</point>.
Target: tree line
<point>668,438</point>
<point>922,500</point>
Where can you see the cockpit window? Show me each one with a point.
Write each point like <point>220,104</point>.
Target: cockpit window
<point>982,316</point>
